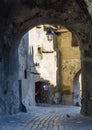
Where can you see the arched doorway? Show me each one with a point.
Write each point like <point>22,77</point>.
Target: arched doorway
<point>64,13</point>
<point>55,61</point>
<point>43,95</point>
<point>42,92</point>
<point>77,95</point>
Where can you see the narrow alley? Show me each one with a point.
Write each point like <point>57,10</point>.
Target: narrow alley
<point>51,117</point>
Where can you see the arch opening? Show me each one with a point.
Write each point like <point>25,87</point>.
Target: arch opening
<point>24,16</point>
<point>56,61</point>
<point>77,95</point>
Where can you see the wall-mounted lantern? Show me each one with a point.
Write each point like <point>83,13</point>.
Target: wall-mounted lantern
<point>50,34</point>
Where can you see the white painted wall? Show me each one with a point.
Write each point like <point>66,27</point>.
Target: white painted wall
<point>28,55</point>
<point>47,62</point>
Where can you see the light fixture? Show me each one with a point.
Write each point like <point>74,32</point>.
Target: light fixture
<point>50,34</point>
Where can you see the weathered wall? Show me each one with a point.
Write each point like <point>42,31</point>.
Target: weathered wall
<point>12,89</point>
<point>45,57</point>
<point>27,86</point>
<point>29,56</point>
<point>89,6</point>
<point>47,67</point>
<point>70,64</point>
<point>17,17</point>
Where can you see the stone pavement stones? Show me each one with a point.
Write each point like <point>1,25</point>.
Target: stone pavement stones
<point>47,118</point>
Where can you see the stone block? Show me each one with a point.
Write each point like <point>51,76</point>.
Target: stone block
<point>87,53</point>
<point>88,66</point>
<point>2,107</point>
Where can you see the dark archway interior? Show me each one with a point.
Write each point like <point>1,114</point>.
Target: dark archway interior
<point>42,92</point>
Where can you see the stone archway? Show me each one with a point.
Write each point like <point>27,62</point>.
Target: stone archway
<point>25,14</point>
<point>77,89</point>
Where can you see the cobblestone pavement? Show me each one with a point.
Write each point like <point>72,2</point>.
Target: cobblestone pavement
<point>53,117</point>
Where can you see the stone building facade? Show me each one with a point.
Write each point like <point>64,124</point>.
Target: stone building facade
<point>70,64</point>
<point>40,62</point>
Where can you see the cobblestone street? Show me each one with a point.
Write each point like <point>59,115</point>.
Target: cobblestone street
<point>53,117</point>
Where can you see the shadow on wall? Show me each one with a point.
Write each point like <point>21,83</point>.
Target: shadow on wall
<point>2,107</point>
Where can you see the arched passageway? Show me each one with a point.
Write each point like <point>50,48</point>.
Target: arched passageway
<point>26,14</point>
<point>56,60</point>
<point>77,95</point>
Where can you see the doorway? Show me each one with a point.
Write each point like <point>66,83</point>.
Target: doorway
<point>42,92</point>
<point>77,90</point>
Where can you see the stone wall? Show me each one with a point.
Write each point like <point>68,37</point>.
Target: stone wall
<point>38,57</point>
<point>41,61</point>
<point>70,64</point>
<point>26,84</point>
<point>17,17</point>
